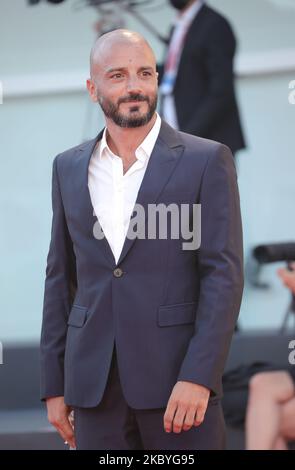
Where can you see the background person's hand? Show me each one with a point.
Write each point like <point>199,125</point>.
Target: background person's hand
<point>288,277</point>
<point>58,414</point>
<point>186,407</point>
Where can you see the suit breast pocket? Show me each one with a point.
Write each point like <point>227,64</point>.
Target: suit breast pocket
<point>177,314</point>
<point>168,197</point>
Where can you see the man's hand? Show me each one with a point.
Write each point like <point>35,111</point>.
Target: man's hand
<point>288,277</point>
<point>58,414</point>
<point>186,407</point>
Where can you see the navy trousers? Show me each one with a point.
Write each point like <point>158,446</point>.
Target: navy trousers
<point>113,425</point>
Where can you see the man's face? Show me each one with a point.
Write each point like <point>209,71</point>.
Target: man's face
<point>126,84</point>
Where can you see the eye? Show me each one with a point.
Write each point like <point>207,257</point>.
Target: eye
<point>146,73</point>
<point>117,75</point>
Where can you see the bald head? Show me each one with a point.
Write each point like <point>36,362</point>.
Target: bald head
<point>124,80</point>
<point>107,44</point>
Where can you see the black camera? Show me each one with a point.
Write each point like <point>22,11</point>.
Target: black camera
<point>275,252</point>
<point>35,2</point>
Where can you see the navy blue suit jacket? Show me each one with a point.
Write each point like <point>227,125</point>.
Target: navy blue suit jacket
<point>172,312</point>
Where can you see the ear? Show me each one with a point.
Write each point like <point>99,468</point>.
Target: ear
<point>91,87</point>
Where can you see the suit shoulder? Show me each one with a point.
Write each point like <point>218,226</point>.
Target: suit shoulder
<point>217,20</point>
<point>201,144</point>
<point>203,150</point>
<point>70,153</point>
<point>214,15</point>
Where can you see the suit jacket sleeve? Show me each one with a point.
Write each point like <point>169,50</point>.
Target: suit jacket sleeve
<point>60,286</point>
<point>221,273</point>
<point>218,54</point>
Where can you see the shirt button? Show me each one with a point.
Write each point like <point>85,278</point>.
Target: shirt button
<point>118,272</point>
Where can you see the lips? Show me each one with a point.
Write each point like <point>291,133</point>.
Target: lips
<point>134,101</point>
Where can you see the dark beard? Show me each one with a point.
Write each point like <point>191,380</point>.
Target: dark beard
<point>112,111</point>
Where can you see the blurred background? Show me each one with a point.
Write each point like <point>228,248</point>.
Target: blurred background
<point>44,59</point>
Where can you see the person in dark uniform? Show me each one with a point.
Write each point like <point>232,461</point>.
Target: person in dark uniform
<point>197,79</point>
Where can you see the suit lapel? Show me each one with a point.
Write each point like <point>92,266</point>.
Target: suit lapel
<point>86,210</point>
<point>163,160</point>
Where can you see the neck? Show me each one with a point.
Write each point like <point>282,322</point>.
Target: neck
<point>188,6</point>
<point>124,141</point>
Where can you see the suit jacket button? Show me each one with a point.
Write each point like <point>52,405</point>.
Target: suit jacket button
<point>118,272</point>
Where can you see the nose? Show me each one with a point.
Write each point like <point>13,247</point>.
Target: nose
<point>133,85</point>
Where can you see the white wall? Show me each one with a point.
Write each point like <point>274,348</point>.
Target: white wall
<point>46,42</point>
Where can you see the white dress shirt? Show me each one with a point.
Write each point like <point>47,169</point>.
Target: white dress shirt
<point>182,25</point>
<point>113,194</point>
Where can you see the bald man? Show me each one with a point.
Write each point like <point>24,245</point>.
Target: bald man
<point>136,329</point>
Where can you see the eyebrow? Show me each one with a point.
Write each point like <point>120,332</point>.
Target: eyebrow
<point>122,69</point>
